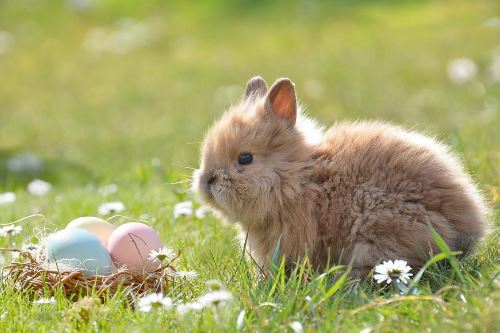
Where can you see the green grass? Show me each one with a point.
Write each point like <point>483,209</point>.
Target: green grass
<point>96,119</point>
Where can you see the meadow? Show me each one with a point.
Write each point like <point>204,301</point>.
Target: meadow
<point>94,93</point>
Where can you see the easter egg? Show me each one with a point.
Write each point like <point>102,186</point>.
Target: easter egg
<point>130,245</point>
<point>76,248</point>
<point>99,227</point>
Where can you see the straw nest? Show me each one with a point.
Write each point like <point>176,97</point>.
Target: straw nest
<point>31,273</point>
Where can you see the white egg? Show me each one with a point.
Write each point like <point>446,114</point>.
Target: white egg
<point>99,227</point>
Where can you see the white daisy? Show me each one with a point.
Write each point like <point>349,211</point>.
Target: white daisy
<point>127,36</point>
<point>296,327</point>
<point>80,5</point>
<point>111,207</point>
<point>215,298</point>
<point>10,230</point>
<point>154,301</point>
<point>184,308</point>
<point>187,275</point>
<point>184,208</point>
<point>39,187</point>
<point>51,300</point>
<point>461,70</point>
<point>214,284</point>
<point>7,198</point>
<point>388,271</point>
<point>201,212</point>
<point>108,189</point>
<point>161,255</point>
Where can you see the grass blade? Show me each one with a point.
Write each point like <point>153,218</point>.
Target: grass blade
<point>275,261</point>
<point>446,250</point>
<point>336,286</point>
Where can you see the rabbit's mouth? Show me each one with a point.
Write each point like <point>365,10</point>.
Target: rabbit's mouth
<point>214,191</point>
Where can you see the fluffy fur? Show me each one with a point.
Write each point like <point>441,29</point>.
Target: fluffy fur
<point>359,193</point>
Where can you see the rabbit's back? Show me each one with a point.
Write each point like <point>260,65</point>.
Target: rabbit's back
<point>381,185</point>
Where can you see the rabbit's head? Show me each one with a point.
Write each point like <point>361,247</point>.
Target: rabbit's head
<point>254,160</point>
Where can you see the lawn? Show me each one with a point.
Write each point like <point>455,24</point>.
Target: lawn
<point>105,92</point>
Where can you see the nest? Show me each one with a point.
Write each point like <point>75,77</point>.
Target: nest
<point>33,275</point>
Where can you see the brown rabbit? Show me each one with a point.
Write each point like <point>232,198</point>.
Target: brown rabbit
<point>358,193</point>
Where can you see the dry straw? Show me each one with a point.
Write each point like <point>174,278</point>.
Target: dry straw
<point>32,274</point>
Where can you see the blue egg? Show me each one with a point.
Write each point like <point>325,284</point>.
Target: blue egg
<point>79,249</point>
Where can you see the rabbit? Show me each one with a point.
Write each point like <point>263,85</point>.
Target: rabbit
<point>356,194</point>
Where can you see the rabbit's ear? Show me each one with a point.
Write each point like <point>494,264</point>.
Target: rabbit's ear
<point>282,101</point>
<point>256,88</point>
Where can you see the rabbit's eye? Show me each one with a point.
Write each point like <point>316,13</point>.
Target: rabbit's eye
<point>245,158</point>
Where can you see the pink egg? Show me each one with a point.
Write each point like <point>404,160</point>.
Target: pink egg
<point>130,245</point>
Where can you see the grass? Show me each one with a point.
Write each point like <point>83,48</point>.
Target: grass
<point>100,118</point>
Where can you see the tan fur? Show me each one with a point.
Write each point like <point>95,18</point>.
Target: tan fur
<point>364,193</point>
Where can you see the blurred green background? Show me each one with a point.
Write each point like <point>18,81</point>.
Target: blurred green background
<point>99,88</point>
<point>108,100</point>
